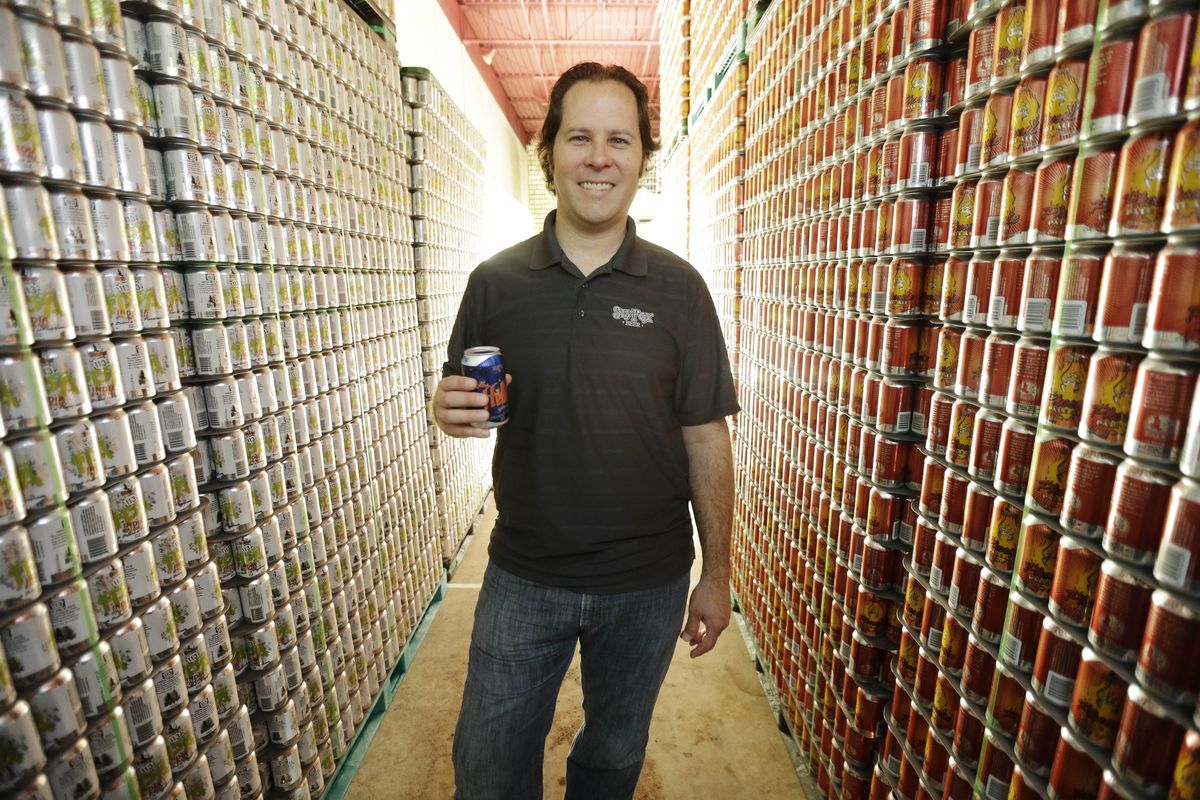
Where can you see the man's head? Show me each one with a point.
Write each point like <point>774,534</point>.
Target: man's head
<point>595,73</point>
<point>595,143</point>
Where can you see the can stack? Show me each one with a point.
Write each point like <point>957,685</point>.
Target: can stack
<point>715,158</point>
<point>220,528</point>
<point>446,163</point>
<point>967,380</point>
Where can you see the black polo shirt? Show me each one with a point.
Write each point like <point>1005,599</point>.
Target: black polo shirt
<point>590,473</point>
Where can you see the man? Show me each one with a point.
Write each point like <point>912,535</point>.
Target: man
<point>619,386</point>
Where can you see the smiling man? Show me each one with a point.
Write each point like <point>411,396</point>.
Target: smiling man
<point>620,385</point>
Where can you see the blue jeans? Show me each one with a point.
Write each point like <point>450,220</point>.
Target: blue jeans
<point>522,643</point>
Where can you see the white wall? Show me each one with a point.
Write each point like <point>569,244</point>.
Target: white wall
<point>425,38</point>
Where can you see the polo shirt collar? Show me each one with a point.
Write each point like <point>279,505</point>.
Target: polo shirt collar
<point>630,257</point>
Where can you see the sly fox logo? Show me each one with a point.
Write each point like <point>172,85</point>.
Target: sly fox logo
<point>632,317</point>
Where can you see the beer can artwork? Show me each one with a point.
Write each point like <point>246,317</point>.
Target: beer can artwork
<point>486,366</point>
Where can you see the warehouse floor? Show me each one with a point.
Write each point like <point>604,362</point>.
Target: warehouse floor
<point>713,733</point>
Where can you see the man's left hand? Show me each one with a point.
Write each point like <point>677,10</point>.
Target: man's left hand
<point>709,607</point>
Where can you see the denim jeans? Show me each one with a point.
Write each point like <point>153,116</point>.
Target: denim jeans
<point>522,643</point>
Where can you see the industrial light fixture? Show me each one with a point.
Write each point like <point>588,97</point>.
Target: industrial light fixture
<point>488,55</point>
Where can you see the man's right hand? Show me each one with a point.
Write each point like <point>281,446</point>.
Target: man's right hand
<point>456,405</point>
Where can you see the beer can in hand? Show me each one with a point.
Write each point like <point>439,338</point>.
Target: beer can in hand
<point>486,366</point>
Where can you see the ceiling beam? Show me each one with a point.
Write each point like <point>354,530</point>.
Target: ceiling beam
<point>562,42</point>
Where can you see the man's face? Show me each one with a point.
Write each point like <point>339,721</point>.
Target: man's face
<point>597,154</point>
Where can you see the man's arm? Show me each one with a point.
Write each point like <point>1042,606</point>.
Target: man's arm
<point>710,470</point>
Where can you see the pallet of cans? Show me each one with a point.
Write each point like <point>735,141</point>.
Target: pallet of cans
<point>446,163</point>
<point>967,376</point>
<point>217,499</point>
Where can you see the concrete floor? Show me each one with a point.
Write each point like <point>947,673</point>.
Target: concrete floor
<point>713,734</point>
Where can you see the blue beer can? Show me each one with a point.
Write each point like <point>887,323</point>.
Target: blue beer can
<point>486,366</point>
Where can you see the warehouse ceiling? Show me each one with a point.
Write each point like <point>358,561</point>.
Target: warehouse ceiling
<point>529,43</point>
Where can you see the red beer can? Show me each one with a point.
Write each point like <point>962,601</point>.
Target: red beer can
<point>1041,16</point>
<point>1090,482</point>
<point>922,89</point>
<point>1014,459</point>
<point>1022,629</point>
<point>1091,206</point>
<point>1183,183</point>
<point>985,444</point>
<point>1008,277</point>
<point>1038,291</point>
<point>944,156</point>
<point>1178,561</point>
<point>1037,736</point>
<point>1076,23</point>
<point>1036,558</point>
<point>1079,290</point>
<point>938,434</point>
<point>1066,372</point>
<point>1003,533</point>
<point>1162,396</point>
<point>1057,661</point>
<point>1160,69</point>
<point>1010,36</point>
<point>1119,616</point>
<point>980,66</point>
<point>1065,87</point>
<point>1148,740</point>
<point>1048,473</point>
<point>954,497</point>
<point>1173,322</point>
<point>1051,200</point>
<point>1097,701</point>
<point>1028,377</point>
<point>1124,295</point>
<point>978,291</point>
<point>977,517</point>
<point>1016,207</point>
<point>926,25</point>
<point>1134,527</point>
<point>1074,775</point>
<point>1025,128</point>
<point>1076,574</point>
<point>1140,191</point>
<point>1108,396</point>
<point>994,139</point>
<point>962,215</point>
<point>985,224</point>
<point>953,291</point>
<point>1169,661</point>
<point>996,371</point>
<point>910,224</point>
<point>917,165</point>
<point>962,428</point>
<point>969,143</point>
<point>1114,71</point>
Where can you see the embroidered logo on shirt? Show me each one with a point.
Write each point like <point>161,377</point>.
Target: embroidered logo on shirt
<point>632,317</point>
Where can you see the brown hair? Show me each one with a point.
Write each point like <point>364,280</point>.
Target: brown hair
<point>591,71</point>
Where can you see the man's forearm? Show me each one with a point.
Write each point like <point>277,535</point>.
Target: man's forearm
<point>710,470</point>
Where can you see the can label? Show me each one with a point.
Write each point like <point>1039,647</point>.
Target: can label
<point>1025,134</point>
<point>1051,200</point>
<point>1159,409</point>
<point>1016,208</point>
<point>1076,575</point>
<point>1174,322</point>
<point>1092,207</point>
<point>1048,473</point>
<point>1114,65</point>
<point>1064,102</point>
<point>1140,188</point>
<point>1183,188</point>
<point>1108,396</point>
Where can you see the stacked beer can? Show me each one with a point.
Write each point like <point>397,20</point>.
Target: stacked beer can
<point>967,394</point>
<point>215,463</point>
<point>717,152</point>
<point>446,162</point>
<point>674,67</point>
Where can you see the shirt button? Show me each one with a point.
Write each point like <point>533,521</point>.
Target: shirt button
<point>583,286</point>
<point>581,312</point>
